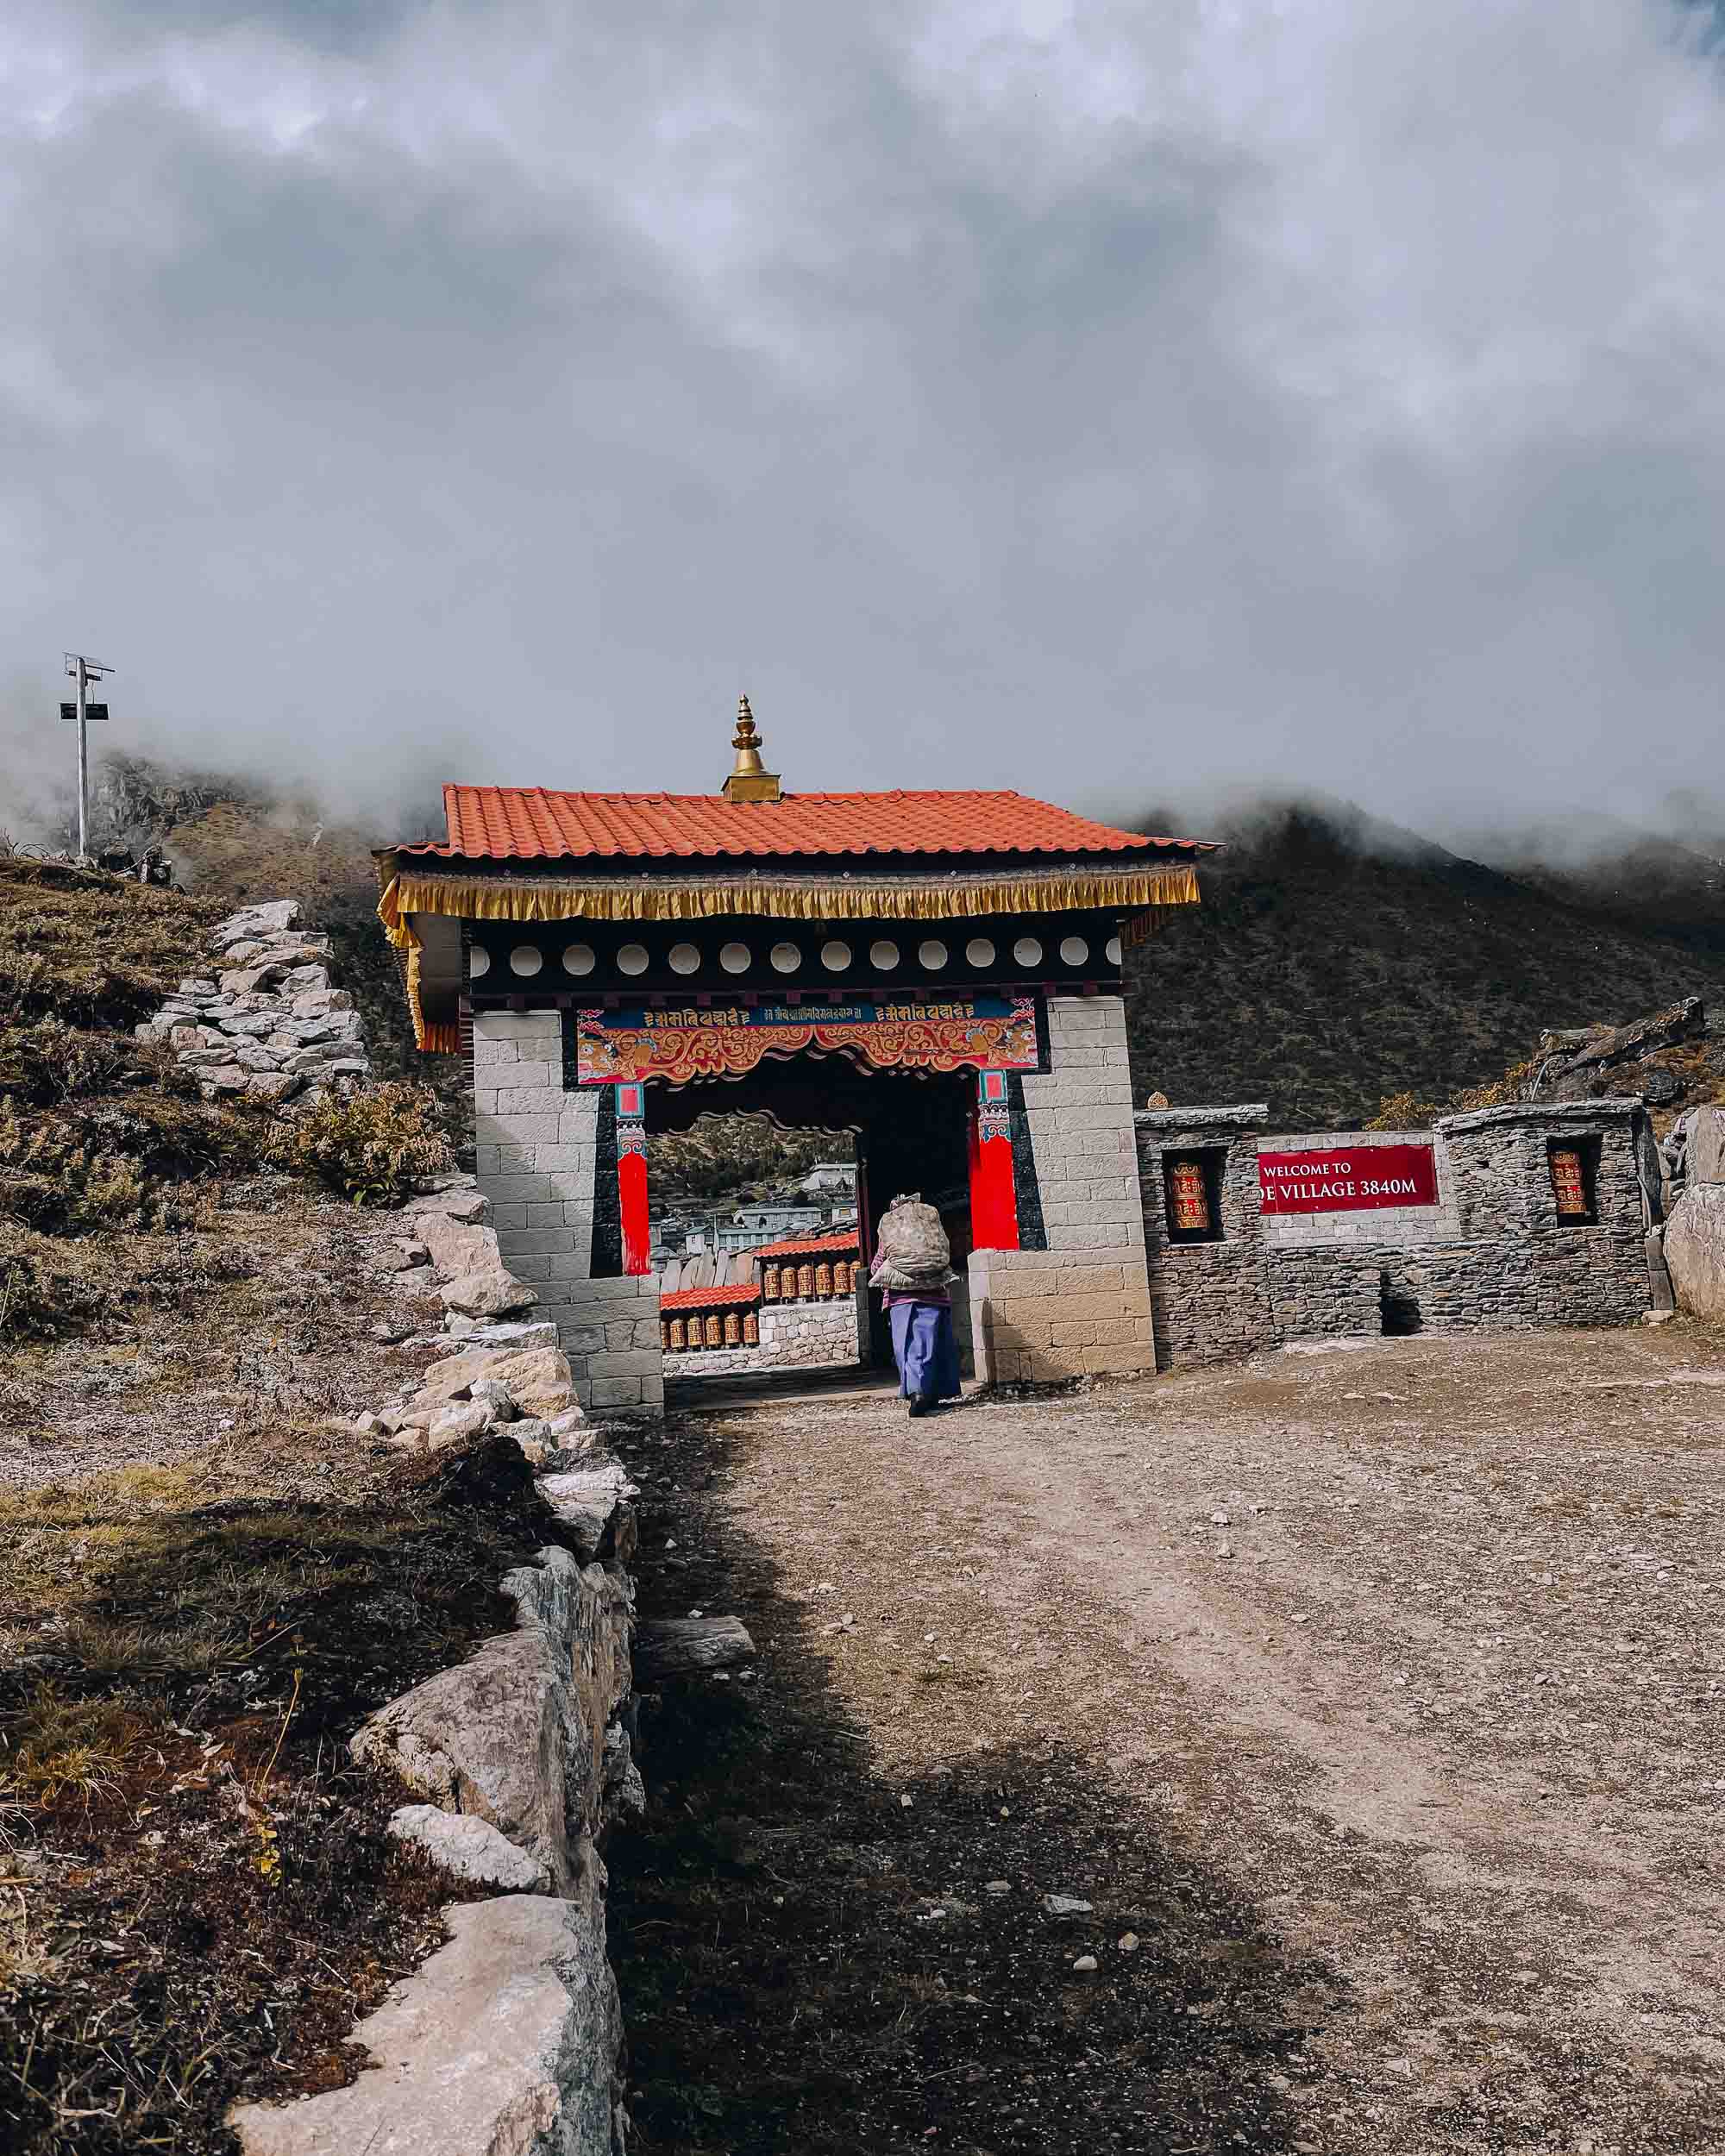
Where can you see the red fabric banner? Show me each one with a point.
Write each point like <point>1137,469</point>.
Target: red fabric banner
<point>1346,1179</point>
<point>631,1194</point>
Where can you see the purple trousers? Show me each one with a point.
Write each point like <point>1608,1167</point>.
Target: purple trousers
<point>925,1349</point>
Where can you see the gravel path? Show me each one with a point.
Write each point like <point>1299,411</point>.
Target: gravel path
<point>1417,1647</point>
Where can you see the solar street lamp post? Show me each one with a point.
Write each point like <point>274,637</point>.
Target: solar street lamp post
<point>85,713</point>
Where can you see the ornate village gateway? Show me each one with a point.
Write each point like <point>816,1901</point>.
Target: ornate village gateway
<point>938,972</point>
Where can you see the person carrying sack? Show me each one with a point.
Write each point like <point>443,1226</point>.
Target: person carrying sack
<point>914,1270</point>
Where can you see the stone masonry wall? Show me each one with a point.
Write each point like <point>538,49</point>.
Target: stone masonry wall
<point>535,1156</point>
<point>1042,1314</point>
<point>1080,1118</point>
<point>1506,1261</point>
<point>805,1332</point>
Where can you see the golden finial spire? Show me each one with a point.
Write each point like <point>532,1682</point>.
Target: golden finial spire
<point>750,780</point>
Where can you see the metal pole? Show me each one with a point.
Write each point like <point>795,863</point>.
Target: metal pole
<point>83,768</point>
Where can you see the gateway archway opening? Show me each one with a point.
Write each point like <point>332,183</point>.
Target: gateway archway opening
<point>799,1299</point>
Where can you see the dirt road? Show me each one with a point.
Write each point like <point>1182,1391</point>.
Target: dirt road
<point>1375,1695</point>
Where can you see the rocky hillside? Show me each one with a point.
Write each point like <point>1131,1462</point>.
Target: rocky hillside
<point>1336,962</point>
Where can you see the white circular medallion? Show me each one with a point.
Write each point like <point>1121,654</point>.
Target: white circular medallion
<point>735,958</point>
<point>526,960</point>
<point>835,956</point>
<point>883,956</point>
<point>632,958</point>
<point>577,958</point>
<point>978,951</point>
<point>1073,950</point>
<point>1027,951</point>
<point>478,962</point>
<point>685,958</point>
<point>931,955</point>
<point>1112,950</point>
<point>785,957</point>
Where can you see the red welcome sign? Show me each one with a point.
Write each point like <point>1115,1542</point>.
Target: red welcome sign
<point>1347,1179</point>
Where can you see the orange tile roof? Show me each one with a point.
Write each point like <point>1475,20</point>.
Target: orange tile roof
<point>710,1298</point>
<point>502,822</point>
<point>808,1246</point>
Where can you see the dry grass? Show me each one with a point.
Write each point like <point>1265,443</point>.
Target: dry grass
<point>199,1896</point>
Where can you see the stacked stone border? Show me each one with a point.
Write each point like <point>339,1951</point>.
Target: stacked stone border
<point>267,1019</point>
<point>510,2035</point>
<point>1493,1253</point>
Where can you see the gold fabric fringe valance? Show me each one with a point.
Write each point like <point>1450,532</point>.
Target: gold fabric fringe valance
<point>1151,894</point>
<point>855,899</point>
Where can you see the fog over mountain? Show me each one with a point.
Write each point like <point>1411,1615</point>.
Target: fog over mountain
<point>1108,401</point>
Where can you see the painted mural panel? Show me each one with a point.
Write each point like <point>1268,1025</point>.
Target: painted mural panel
<point>677,1043</point>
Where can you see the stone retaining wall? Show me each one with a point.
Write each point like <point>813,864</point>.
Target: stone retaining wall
<point>509,2038</point>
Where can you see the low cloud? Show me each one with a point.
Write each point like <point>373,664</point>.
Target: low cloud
<point>1115,403</point>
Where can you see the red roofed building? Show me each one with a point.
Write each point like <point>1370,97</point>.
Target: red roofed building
<point>937,974</point>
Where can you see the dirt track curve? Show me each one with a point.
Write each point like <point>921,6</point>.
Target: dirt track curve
<point>1374,1693</point>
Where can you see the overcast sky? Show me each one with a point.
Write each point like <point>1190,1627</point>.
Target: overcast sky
<point>1112,401</point>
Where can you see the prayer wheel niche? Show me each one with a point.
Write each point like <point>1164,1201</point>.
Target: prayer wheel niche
<point>805,1281</point>
<point>1569,1183</point>
<point>1188,1197</point>
<point>769,1282</point>
<point>823,1278</point>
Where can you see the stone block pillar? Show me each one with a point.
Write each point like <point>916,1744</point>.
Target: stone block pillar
<point>536,1157</point>
<point>1080,1117</point>
<point>1038,1315</point>
<point>1073,1300</point>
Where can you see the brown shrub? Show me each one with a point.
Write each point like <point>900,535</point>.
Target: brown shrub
<point>371,1146</point>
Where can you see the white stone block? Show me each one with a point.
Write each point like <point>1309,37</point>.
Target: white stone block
<point>624,1363</point>
<point>534,1100</point>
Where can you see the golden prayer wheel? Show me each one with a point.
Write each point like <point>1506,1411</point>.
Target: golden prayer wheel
<point>733,1329</point>
<point>751,1330</point>
<point>715,1331</point>
<point>676,1332</point>
<point>804,1279</point>
<point>823,1278</point>
<point>1569,1183</point>
<point>769,1282</point>
<point>1189,1201</point>
<point>841,1278</point>
<point>664,1332</point>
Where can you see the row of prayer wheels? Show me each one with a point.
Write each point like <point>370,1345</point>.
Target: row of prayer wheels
<point>807,1281</point>
<point>709,1329</point>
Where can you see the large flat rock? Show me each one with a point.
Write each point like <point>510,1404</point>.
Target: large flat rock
<point>515,1734</point>
<point>504,2044</point>
<point>1704,1162</point>
<point>1695,1250</point>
